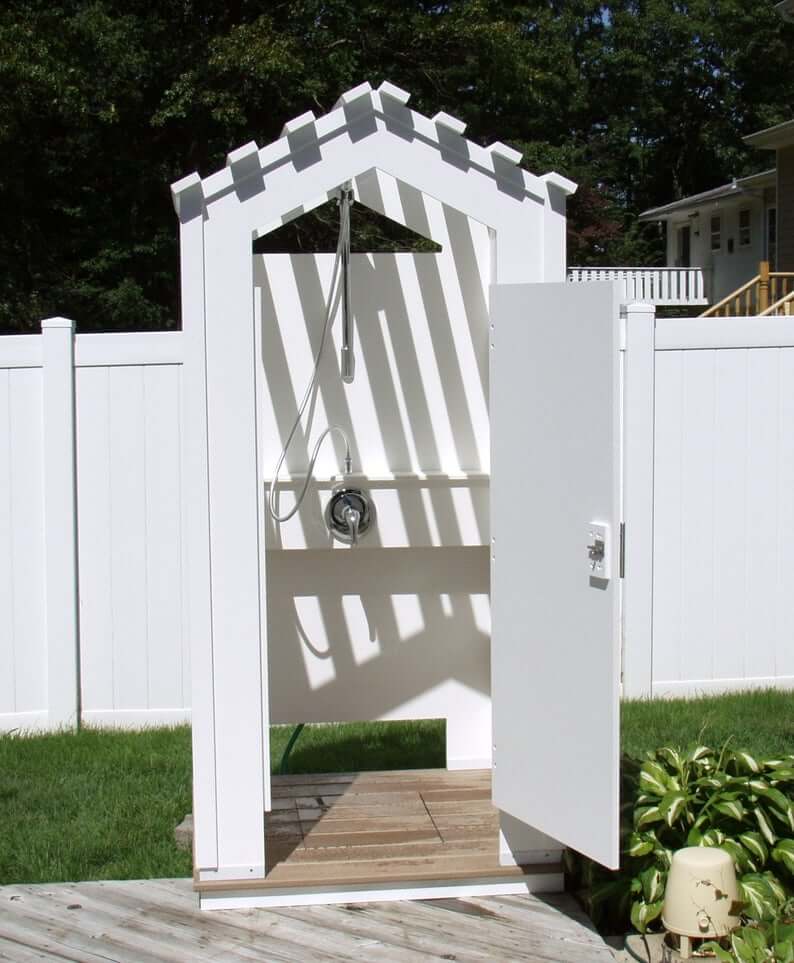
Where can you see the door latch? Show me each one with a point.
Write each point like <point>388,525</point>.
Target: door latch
<point>598,554</point>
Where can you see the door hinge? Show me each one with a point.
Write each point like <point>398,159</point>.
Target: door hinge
<point>622,561</point>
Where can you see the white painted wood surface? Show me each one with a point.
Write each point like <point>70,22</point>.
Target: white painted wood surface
<point>90,514</point>
<point>60,523</point>
<point>555,650</point>
<point>639,397</point>
<point>134,648</point>
<point>723,514</point>
<point>23,646</point>
<point>668,287</point>
<point>374,139</point>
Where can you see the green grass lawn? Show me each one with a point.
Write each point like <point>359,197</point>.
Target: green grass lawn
<point>103,805</point>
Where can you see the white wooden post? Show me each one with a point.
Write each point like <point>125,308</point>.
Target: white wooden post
<point>60,523</point>
<point>189,204</point>
<point>638,475</point>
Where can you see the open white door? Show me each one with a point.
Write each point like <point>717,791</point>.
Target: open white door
<point>555,475</point>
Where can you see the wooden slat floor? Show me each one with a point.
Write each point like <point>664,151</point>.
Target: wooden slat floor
<point>340,829</point>
<point>151,921</point>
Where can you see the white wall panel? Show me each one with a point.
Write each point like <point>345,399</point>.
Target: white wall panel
<point>396,628</point>
<point>128,464</point>
<point>23,663</point>
<point>724,520</point>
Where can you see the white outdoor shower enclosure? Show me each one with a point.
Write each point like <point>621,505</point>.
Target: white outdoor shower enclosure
<point>482,489</point>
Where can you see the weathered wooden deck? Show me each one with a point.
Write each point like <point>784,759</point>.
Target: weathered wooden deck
<point>142,921</point>
<point>368,828</point>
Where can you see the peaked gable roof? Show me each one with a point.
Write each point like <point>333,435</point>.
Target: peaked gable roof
<point>357,114</point>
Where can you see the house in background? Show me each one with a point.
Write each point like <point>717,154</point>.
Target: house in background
<point>780,139</point>
<point>726,232</point>
<point>731,248</point>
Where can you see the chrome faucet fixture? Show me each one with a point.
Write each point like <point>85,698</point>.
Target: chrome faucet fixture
<point>349,514</point>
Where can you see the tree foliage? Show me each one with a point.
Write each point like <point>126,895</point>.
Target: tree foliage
<point>103,104</point>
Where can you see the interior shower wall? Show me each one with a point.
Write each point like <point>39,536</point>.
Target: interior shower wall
<point>399,627</point>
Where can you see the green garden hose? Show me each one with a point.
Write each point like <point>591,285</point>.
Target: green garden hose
<point>284,767</point>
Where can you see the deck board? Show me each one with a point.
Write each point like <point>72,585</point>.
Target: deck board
<point>159,920</point>
<point>351,829</point>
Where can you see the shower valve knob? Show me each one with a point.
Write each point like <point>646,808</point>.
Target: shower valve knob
<point>349,514</point>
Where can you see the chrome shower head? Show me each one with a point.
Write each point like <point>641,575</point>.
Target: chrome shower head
<point>347,360</point>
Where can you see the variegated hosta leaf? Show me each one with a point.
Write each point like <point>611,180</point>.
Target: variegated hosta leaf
<point>738,854</point>
<point>653,778</point>
<point>784,951</point>
<point>746,761</point>
<point>742,950</point>
<point>694,836</point>
<point>713,837</point>
<point>712,782</point>
<point>639,844</point>
<point>759,897</point>
<point>754,844</point>
<point>782,775</point>
<point>776,886</point>
<point>772,764</point>
<point>758,786</point>
<point>643,914</point>
<point>765,825</point>
<point>672,806</point>
<point>719,951</point>
<point>646,816</point>
<point>664,856</point>
<point>671,757</point>
<point>770,793</point>
<point>699,753</point>
<point>784,853</point>
<point>653,881</point>
<point>756,940</point>
<point>732,808</point>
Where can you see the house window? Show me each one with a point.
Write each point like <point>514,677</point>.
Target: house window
<point>716,232</point>
<point>744,227</point>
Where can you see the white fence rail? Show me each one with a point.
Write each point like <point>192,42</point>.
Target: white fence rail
<point>92,616</point>
<point>668,287</point>
<point>90,497</point>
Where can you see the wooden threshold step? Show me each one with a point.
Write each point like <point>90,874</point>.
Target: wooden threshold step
<point>372,873</point>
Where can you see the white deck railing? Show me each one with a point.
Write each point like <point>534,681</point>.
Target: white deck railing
<point>661,286</point>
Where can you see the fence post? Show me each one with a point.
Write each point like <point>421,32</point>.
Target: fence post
<point>638,473</point>
<point>60,523</point>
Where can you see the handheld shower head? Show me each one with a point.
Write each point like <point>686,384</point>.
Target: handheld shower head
<point>347,360</point>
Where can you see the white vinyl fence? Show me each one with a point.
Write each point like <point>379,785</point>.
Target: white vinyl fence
<point>91,615</point>
<point>709,590</point>
<point>92,619</point>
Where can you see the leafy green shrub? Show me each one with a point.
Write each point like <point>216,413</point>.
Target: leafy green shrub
<point>768,942</point>
<point>701,797</point>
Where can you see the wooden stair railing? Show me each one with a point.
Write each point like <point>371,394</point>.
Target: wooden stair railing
<point>755,297</point>
<point>782,307</point>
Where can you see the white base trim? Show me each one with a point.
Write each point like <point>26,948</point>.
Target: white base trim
<point>134,718</point>
<point>23,722</point>
<point>477,763</point>
<point>329,895</point>
<point>231,872</point>
<point>679,689</point>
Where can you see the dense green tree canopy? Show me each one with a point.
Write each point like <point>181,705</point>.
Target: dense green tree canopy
<point>104,103</point>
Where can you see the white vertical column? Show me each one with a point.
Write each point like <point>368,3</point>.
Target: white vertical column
<point>197,580</point>
<point>60,523</point>
<point>638,481</point>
